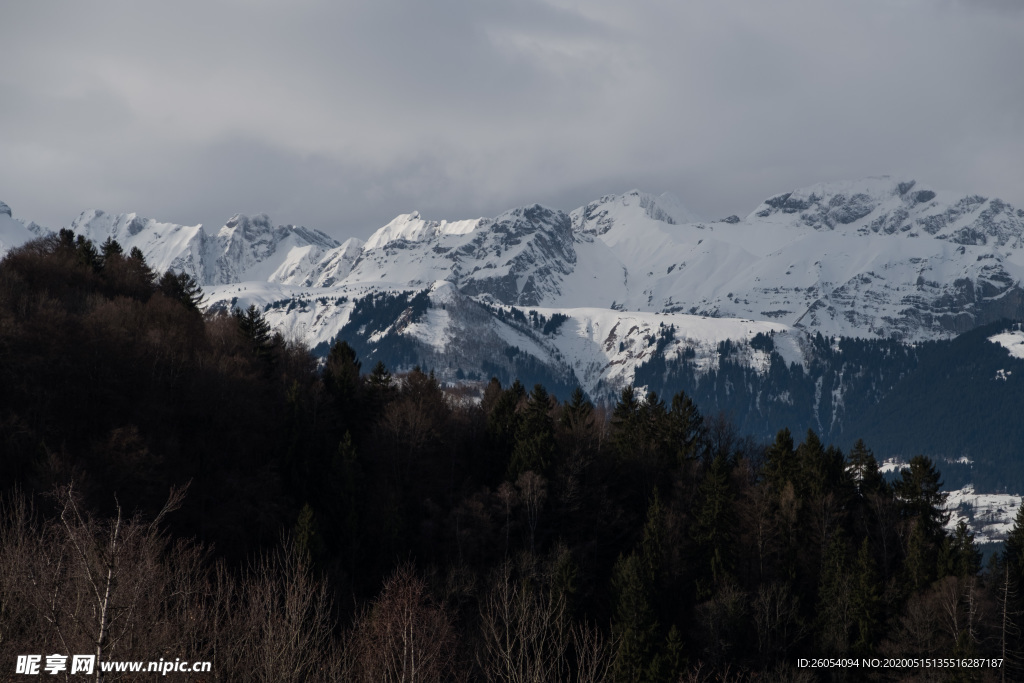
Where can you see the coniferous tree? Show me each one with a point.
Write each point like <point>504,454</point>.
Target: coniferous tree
<point>921,497</point>
<point>110,249</point>
<point>380,378</point>
<point>922,504</point>
<point>503,426</point>
<point>66,239</point>
<point>577,422</point>
<point>535,436</point>
<point>865,600</point>
<point>183,288</point>
<point>255,330</point>
<point>342,383</point>
<point>1013,551</point>
<point>140,270</point>
<point>635,623</point>
<point>1011,595</point>
<point>780,461</point>
<point>863,467</point>
<point>780,471</point>
<point>686,428</point>
<point>835,613</point>
<point>654,428</point>
<point>714,527</point>
<point>921,560</point>
<point>577,411</point>
<point>823,486</point>
<point>343,505</point>
<point>380,388</point>
<point>961,554</point>
<point>652,543</point>
<point>624,423</point>
<point>87,253</point>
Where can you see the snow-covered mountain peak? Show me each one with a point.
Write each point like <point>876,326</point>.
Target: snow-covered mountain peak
<point>876,257</point>
<point>411,227</point>
<point>895,206</point>
<point>518,257</point>
<point>260,227</point>
<point>14,232</point>
<point>165,245</point>
<point>598,217</point>
<point>535,217</point>
<point>253,248</point>
<point>249,226</point>
<point>828,205</point>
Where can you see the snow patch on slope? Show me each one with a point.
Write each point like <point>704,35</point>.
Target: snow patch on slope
<point>606,346</point>
<point>990,516</point>
<point>1012,341</point>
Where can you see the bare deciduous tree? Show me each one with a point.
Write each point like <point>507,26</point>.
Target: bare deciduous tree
<point>117,588</point>
<point>595,654</point>
<point>525,631</point>
<point>777,617</point>
<point>405,637</point>
<point>533,490</point>
<point>282,623</point>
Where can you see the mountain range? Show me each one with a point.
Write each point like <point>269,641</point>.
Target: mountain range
<point>634,289</point>
<point>877,258</point>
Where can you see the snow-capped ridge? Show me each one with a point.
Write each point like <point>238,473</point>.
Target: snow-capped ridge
<point>336,264</point>
<point>599,216</point>
<point>894,206</point>
<point>411,227</point>
<point>244,248</point>
<point>841,202</point>
<point>166,246</point>
<point>877,257</point>
<point>253,248</point>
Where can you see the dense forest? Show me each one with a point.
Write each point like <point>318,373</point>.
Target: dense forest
<point>181,484</point>
<point>955,400</point>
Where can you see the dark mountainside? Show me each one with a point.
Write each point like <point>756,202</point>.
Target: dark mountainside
<point>291,522</point>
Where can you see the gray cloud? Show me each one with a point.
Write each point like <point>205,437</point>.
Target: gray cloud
<point>339,115</point>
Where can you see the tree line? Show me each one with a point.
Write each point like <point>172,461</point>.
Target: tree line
<point>185,485</point>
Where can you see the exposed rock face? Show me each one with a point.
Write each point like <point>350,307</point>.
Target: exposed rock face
<point>253,248</point>
<point>520,257</point>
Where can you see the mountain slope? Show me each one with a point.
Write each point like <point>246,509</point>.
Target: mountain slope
<point>875,258</point>
<point>14,232</point>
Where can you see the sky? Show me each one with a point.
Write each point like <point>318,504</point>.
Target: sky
<point>339,115</point>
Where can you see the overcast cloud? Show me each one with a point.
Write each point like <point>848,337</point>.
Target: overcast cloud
<point>340,115</point>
